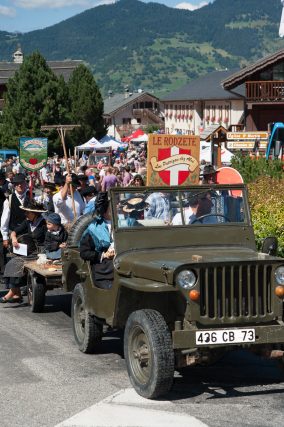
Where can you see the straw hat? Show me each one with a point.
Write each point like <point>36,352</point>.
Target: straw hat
<point>32,206</point>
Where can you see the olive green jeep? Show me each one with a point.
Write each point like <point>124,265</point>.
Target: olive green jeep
<point>188,284</point>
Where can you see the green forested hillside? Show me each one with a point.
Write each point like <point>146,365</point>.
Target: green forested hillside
<point>154,47</point>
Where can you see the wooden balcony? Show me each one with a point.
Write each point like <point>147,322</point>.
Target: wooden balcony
<point>265,91</point>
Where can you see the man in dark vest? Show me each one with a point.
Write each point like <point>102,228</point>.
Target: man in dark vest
<point>4,191</point>
<point>12,215</point>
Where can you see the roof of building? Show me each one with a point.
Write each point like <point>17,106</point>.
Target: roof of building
<point>245,73</point>
<point>121,100</point>
<point>209,130</point>
<point>60,68</point>
<point>204,88</point>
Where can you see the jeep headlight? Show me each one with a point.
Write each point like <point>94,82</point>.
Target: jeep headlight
<point>186,279</point>
<point>279,275</point>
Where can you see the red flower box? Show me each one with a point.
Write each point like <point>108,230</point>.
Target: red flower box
<point>190,117</point>
<point>207,118</point>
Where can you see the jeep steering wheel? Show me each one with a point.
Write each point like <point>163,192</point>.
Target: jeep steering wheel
<point>205,216</point>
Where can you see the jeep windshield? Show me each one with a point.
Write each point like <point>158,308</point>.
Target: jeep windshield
<point>163,207</point>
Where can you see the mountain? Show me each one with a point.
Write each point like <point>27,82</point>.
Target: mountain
<point>154,47</point>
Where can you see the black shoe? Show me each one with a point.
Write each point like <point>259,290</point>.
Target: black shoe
<point>24,290</point>
<point>18,300</point>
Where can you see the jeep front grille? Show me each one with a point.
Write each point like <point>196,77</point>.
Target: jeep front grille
<point>235,291</point>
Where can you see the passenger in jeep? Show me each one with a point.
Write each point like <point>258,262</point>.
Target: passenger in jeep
<point>96,244</point>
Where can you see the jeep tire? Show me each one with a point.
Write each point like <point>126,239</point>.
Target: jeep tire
<point>148,353</point>
<point>87,329</point>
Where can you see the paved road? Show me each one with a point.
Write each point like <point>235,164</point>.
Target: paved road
<point>45,380</point>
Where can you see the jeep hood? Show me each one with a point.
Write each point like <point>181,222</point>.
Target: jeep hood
<point>154,264</point>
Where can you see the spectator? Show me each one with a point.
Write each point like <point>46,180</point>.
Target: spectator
<point>63,203</point>
<point>127,177</point>
<point>89,194</point>
<point>159,206</point>
<point>109,180</point>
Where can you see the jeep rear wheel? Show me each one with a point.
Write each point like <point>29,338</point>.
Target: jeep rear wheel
<point>87,329</point>
<point>148,353</point>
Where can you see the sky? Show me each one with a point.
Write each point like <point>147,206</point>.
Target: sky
<point>29,15</point>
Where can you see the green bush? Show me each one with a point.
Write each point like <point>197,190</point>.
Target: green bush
<point>253,168</point>
<point>267,209</point>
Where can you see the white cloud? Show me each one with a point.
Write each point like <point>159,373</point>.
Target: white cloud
<point>57,4</point>
<point>7,11</point>
<point>50,4</point>
<point>190,6</point>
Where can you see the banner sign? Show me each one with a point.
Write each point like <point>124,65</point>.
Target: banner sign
<point>173,160</point>
<point>245,145</point>
<point>246,135</point>
<point>33,153</point>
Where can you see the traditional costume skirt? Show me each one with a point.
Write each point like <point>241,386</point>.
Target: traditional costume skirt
<point>14,269</point>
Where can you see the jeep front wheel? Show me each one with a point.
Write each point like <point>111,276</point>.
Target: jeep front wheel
<point>87,329</point>
<point>148,353</point>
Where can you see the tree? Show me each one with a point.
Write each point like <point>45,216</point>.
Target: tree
<point>34,97</point>
<point>86,106</point>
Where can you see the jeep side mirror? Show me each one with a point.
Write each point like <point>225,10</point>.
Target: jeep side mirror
<point>270,245</point>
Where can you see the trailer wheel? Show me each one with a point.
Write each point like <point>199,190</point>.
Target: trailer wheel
<point>87,329</point>
<point>148,353</point>
<point>35,292</point>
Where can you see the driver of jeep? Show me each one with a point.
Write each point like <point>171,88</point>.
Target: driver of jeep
<point>97,246</point>
<point>204,212</point>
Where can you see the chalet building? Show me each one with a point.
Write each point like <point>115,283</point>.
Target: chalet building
<point>204,103</point>
<point>8,69</point>
<point>264,91</point>
<point>130,111</point>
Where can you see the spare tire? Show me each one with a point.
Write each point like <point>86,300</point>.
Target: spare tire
<point>78,228</point>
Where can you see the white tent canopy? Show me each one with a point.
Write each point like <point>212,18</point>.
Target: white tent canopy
<point>141,138</point>
<point>89,145</point>
<point>110,142</point>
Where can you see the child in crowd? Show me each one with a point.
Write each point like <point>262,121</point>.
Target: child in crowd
<point>56,236</point>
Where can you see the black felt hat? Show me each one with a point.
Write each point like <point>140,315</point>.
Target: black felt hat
<point>88,190</point>
<point>75,181</point>
<point>50,185</point>
<point>209,170</point>
<point>82,177</point>
<point>19,178</point>
<point>102,202</point>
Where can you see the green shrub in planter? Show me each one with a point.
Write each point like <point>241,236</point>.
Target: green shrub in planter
<point>267,209</point>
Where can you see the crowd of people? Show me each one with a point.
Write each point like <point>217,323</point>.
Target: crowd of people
<point>37,210</point>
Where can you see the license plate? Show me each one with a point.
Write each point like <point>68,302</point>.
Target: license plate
<point>225,336</point>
